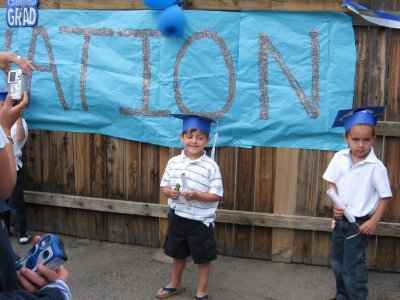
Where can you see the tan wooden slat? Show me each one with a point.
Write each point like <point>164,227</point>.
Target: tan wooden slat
<point>285,5</point>
<point>163,226</point>
<point>244,201</point>
<point>224,216</point>
<point>284,201</point>
<point>82,163</point>
<point>98,172</point>
<point>32,160</point>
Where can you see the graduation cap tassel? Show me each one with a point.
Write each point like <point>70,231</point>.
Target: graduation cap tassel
<point>213,147</point>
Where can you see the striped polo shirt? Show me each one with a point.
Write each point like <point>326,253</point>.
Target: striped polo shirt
<point>202,175</point>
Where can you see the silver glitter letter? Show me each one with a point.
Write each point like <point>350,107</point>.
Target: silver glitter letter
<point>310,106</point>
<point>229,64</point>
<point>86,32</point>
<point>144,34</point>
<point>40,30</point>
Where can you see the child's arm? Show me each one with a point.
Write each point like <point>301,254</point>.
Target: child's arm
<point>337,211</point>
<point>206,197</point>
<point>368,227</point>
<point>20,131</point>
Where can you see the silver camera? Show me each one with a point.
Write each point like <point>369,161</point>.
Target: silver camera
<point>16,84</point>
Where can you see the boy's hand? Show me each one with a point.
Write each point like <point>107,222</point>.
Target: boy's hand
<point>174,194</point>
<point>32,281</point>
<point>338,212</point>
<point>9,114</point>
<point>368,227</point>
<point>189,195</point>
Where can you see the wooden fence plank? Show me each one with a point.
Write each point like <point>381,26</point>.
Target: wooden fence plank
<point>83,161</point>
<point>284,201</point>
<point>98,170</point>
<point>307,185</point>
<point>224,216</point>
<point>163,225</point>
<point>286,5</point>
<point>244,201</point>
<point>32,161</point>
<point>225,232</point>
<point>263,198</point>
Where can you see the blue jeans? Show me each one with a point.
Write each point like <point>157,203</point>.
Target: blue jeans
<point>348,260</point>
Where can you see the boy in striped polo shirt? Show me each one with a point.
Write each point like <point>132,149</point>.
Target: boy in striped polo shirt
<point>193,184</point>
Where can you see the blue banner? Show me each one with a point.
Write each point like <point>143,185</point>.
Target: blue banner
<point>270,78</point>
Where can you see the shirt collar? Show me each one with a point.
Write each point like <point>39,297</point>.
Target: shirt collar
<point>192,161</point>
<point>371,157</point>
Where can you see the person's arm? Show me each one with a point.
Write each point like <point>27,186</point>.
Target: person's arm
<point>369,226</point>
<point>6,58</point>
<point>8,116</point>
<point>337,211</point>
<point>206,197</point>
<point>19,130</point>
<point>45,280</point>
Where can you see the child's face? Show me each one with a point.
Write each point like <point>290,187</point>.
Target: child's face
<point>194,143</point>
<point>360,139</point>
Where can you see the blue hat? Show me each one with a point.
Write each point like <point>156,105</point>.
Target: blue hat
<point>194,122</point>
<point>3,94</point>
<point>363,115</point>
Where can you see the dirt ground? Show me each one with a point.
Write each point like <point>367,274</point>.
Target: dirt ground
<point>104,270</point>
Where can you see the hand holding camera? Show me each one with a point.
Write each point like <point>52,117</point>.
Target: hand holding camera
<point>17,84</point>
<point>48,251</point>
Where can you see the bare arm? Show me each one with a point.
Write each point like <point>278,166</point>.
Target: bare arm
<point>20,131</point>
<point>8,116</point>
<point>337,211</point>
<point>206,197</point>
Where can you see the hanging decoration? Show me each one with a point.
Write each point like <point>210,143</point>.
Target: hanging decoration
<point>373,16</point>
<point>172,20</point>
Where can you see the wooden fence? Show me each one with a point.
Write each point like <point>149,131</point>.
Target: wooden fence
<point>275,207</point>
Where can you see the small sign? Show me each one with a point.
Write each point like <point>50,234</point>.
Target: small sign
<point>22,13</point>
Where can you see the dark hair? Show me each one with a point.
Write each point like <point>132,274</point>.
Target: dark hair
<point>191,130</point>
<point>373,129</point>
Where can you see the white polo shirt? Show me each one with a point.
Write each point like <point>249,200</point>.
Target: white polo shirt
<point>202,175</point>
<point>360,186</point>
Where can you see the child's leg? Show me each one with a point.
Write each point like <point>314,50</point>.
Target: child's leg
<point>354,269</point>
<point>176,277</point>
<point>204,273</point>
<point>338,237</point>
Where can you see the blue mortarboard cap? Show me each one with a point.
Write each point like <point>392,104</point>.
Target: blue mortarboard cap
<point>194,122</point>
<point>362,115</point>
<point>3,94</point>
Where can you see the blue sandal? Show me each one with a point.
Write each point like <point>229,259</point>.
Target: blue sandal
<point>170,292</point>
<point>201,298</point>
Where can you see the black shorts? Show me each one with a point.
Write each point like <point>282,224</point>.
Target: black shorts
<point>187,237</point>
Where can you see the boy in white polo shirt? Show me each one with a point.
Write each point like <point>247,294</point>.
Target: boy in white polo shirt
<point>193,184</point>
<point>362,184</point>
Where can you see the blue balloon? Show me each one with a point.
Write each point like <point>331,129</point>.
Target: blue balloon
<point>171,21</point>
<point>159,4</point>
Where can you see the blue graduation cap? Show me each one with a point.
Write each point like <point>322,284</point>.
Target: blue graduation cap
<point>195,122</point>
<point>198,122</point>
<point>362,115</point>
<point>3,94</point>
